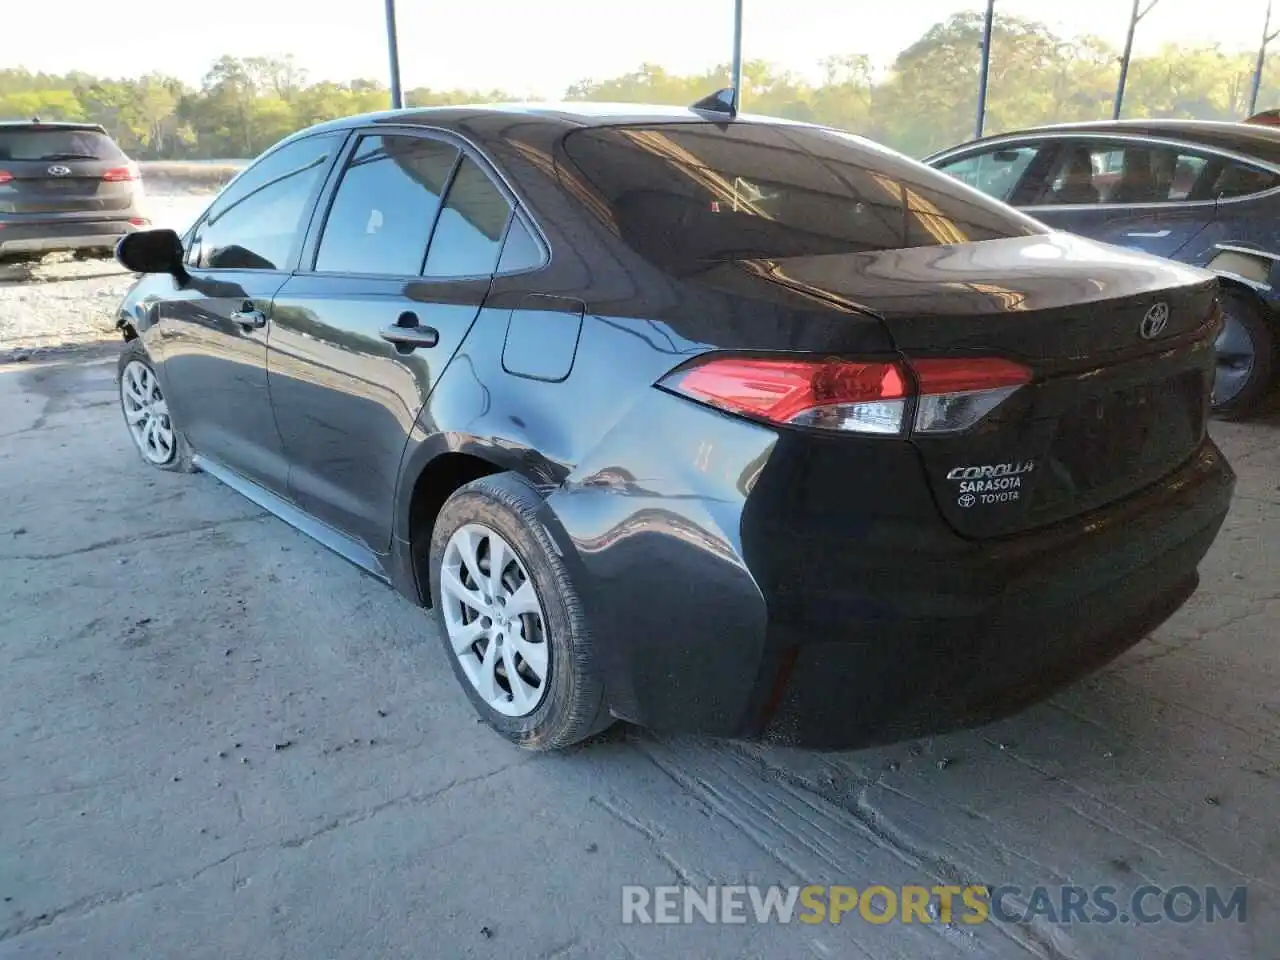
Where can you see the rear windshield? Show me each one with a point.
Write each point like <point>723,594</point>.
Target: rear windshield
<point>54,144</point>
<point>683,193</point>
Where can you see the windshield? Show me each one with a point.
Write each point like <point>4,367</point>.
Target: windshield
<point>57,144</point>
<point>696,192</point>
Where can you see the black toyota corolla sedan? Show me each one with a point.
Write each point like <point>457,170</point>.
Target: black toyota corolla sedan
<point>709,423</point>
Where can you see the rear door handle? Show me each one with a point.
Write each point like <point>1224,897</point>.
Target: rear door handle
<point>249,317</point>
<point>407,334</point>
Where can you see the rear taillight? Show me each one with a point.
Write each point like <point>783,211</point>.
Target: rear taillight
<point>5,176</point>
<point>830,394</point>
<point>119,174</point>
<point>956,394</point>
<point>853,396</point>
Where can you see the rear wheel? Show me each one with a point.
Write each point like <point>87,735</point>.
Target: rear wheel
<point>1246,356</point>
<point>511,618</point>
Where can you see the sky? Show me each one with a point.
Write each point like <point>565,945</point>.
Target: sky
<point>539,47</point>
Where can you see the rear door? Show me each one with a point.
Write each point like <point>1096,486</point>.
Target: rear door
<point>1141,194</point>
<point>213,328</point>
<point>61,173</point>
<point>394,278</point>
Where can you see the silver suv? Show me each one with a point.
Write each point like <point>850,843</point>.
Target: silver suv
<point>64,186</point>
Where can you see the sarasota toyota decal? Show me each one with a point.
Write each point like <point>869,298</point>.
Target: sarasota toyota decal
<point>990,482</point>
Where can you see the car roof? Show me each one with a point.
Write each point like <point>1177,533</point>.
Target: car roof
<point>50,125</point>
<point>570,114</point>
<point>1254,140</point>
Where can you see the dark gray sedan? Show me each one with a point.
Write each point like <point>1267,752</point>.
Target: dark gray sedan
<point>1200,192</point>
<point>64,186</point>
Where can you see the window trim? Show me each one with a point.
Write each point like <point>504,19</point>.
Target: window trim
<point>320,216</point>
<point>1063,136</point>
<point>341,138</point>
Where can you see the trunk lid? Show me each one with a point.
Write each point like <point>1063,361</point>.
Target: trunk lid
<point>1109,410</point>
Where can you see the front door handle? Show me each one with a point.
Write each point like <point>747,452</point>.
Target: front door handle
<point>408,334</point>
<point>249,317</point>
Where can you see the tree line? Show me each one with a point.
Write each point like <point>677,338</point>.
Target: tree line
<point>925,100</point>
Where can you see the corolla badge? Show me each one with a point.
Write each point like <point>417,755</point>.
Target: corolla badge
<point>990,483</point>
<point>1154,321</point>
<point>58,170</point>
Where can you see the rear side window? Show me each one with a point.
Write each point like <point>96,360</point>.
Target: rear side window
<point>520,251</point>
<point>48,144</point>
<point>255,223</point>
<point>468,236</point>
<point>385,205</point>
<point>687,193</point>
<point>1093,173</point>
<point>995,172</point>
<point>1241,180</point>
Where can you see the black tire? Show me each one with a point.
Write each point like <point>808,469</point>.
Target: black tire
<point>1254,321</point>
<point>181,460</point>
<point>573,705</point>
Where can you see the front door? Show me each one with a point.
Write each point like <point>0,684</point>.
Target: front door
<point>214,326</point>
<point>358,340</point>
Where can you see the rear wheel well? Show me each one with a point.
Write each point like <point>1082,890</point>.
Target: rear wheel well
<point>437,482</point>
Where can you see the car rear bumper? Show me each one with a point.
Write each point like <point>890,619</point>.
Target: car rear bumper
<point>49,236</point>
<point>816,596</point>
<point>1074,598</point>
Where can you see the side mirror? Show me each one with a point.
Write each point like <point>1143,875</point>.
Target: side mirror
<point>151,251</point>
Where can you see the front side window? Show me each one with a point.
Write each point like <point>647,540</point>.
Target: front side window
<point>385,206</point>
<point>256,222</point>
<point>687,194</point>
<point>468,238</point>
<point>1100,173</point>
<point>996,172</point>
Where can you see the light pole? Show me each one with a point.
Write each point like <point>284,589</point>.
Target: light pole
<point>1267,37</point>
<point>1134,18</point>
<point>393,56</point>
<point>984,68</point>
<point>736,79</point>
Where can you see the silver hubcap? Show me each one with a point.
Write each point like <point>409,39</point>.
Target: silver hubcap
<point>494,620</point>
<point>146,413</point>
<point>1236,357</point>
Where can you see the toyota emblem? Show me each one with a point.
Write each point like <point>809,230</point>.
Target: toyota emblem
<point>58,170</point>
<point>1154,321</point>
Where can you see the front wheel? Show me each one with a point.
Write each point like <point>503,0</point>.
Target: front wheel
<point>146,412</point>
<point>511,618</point>
<point>1245,356</point>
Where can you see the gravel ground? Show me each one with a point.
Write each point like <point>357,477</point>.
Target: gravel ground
<point>218,740</point>
<point>61,302</point>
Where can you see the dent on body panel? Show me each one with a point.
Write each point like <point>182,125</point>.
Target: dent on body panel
<point>654,513</point>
